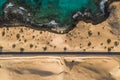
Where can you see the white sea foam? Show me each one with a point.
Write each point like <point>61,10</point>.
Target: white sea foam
<point>77,14</point>
<point>9,5</point>
<point>53,22</point>
<point>102,5</point>
<point>22,8</point>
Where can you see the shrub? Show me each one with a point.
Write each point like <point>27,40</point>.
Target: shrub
<point>65,48</point>
<point>116,43</point>
<point>3,33</point>
<point>44,48</point>
<point>31,45</point>
<point>89,44</point>
<point>90,33</point>
<point>108,41</point>
<point>109,49</point>
<point>21,49</point>
<point>13,46</point>
<point>98,33</point>
<point>1,48</point>
<point>18,36</point>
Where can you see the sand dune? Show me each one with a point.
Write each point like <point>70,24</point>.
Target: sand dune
<point>61,68</point>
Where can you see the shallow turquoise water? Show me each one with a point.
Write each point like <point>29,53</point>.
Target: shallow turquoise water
<point>43,11</point>
<point>2,2</point>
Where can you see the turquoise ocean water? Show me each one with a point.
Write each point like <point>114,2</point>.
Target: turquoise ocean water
<point>2,2</point>
<point>43,11</point>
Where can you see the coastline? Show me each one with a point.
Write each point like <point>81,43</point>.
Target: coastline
<point>83,37</point>
<point>85,16</point>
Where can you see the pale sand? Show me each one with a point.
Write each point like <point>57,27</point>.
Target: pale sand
<point>26,39</point>
<point>60,68</point>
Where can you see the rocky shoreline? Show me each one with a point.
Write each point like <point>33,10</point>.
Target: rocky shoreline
<point>15,16</point>
<point>84,37</point>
